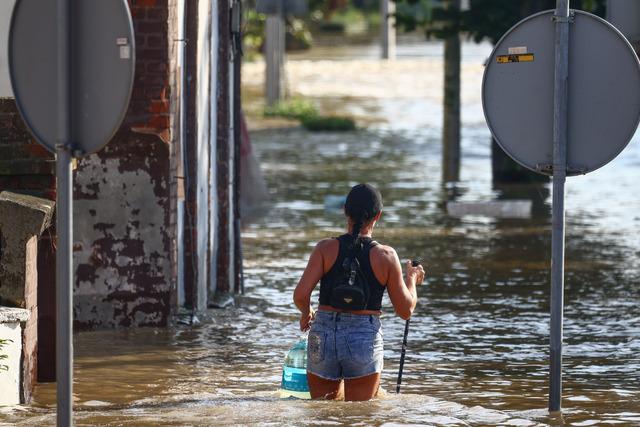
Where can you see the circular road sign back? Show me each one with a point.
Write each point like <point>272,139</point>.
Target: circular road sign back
<point>102,69</point>
<point>604,92</point>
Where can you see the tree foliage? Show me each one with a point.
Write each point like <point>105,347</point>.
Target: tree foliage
<point>484,19</point>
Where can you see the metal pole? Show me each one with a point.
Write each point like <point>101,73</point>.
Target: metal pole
<point>64,225</point>
<point>274,54</point>
<point>560,119</point>
<point>388,29</point>
<point>402,355</point>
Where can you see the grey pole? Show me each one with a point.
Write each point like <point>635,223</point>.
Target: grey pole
<point>64,225</point>
<point>274,54</point>
<point>388,29</point>
<point>560,119</point>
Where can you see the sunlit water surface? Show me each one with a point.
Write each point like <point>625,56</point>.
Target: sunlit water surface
<point>478,345</point>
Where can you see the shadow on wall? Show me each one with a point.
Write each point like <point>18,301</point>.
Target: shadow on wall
<point>254,195</point>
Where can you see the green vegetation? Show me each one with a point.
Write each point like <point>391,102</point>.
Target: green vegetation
<point>297,36</point>
<point>349,20</point>
<point>329,124</point>
<point>295,108</point>
<point>335,16</point>
<point>303,110</point>
<point>3,356</point>
<point>485,19</point>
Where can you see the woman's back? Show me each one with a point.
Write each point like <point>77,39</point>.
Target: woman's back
<point>345,338</point>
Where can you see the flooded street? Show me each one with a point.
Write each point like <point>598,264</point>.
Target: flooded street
<point>478,345</point>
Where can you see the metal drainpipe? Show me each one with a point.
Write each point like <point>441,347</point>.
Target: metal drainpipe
<point>213,152</point>
<point>182,129</point>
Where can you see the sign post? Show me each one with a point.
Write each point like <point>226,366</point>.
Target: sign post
<point>560,119</point>
<point>64,226</point>
<point>72,78</point>
<point>556,105</point>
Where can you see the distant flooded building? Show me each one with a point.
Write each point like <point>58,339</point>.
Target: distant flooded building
<point>156,211</point>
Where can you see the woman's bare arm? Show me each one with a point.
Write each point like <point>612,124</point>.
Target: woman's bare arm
<point>310,278</point>
<point>403,295</point>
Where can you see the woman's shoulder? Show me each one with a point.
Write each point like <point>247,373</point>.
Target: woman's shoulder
<point>327,244</point>
<point>383,253</point>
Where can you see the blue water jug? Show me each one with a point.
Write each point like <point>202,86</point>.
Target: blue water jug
<point>294,374</point>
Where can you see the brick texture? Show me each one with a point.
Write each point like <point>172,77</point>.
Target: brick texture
<point>25,165</point>
<point>149,110</point>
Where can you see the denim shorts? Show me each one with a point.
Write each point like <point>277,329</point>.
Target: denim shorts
<point>344,345</point>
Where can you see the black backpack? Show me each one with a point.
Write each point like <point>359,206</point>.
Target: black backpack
<point>352,292</point>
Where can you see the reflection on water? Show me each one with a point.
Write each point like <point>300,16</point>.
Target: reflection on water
<point>478,343</point>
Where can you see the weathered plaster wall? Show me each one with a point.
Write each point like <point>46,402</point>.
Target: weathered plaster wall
<point>122,241</point>
<point>122,233</point>
<point>11,320</point>
<point>10,378</point>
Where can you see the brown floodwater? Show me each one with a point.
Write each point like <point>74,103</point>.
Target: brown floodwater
<point>478,344</point>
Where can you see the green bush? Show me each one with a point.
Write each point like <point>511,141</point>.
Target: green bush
<point>306,112</point>
<point>328,123</point>
<point>296,108</point>
<point>332,27</point>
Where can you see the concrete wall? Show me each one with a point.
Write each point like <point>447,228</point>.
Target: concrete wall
<point>122,235</point>
<point>22,221</point>
<point>10,375</point>
<point>10,378</point>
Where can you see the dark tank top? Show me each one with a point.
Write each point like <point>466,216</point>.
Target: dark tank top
<point>336,274</point>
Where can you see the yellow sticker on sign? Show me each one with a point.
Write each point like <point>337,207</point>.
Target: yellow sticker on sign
<point>523,57</point>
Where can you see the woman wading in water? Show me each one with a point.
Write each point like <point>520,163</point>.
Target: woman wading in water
<point>345,338</point>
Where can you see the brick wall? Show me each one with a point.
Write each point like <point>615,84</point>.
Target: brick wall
<point>149,110</point>
<point>25,166</point>
<point>122,232</point>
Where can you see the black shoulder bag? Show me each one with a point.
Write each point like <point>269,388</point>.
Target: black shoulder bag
<point>352,293</point>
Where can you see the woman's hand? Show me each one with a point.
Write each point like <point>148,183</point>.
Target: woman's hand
<point>306,319</point>
<point>414,275</point>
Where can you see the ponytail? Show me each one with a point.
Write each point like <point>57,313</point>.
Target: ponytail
<point>356,242</point>
<point>351,263</point>
<point>363,203</point>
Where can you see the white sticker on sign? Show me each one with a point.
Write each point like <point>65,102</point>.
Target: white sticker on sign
<point>125,52</point>
<point>519,50</point>
<point>122,41</point>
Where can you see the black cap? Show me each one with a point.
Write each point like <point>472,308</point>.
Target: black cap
<point>363,202</point>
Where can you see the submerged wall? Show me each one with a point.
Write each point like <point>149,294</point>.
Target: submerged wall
<point>153,180</point>
<point>122,241</point>
<point>121,235</point>
<point>10,366</point>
